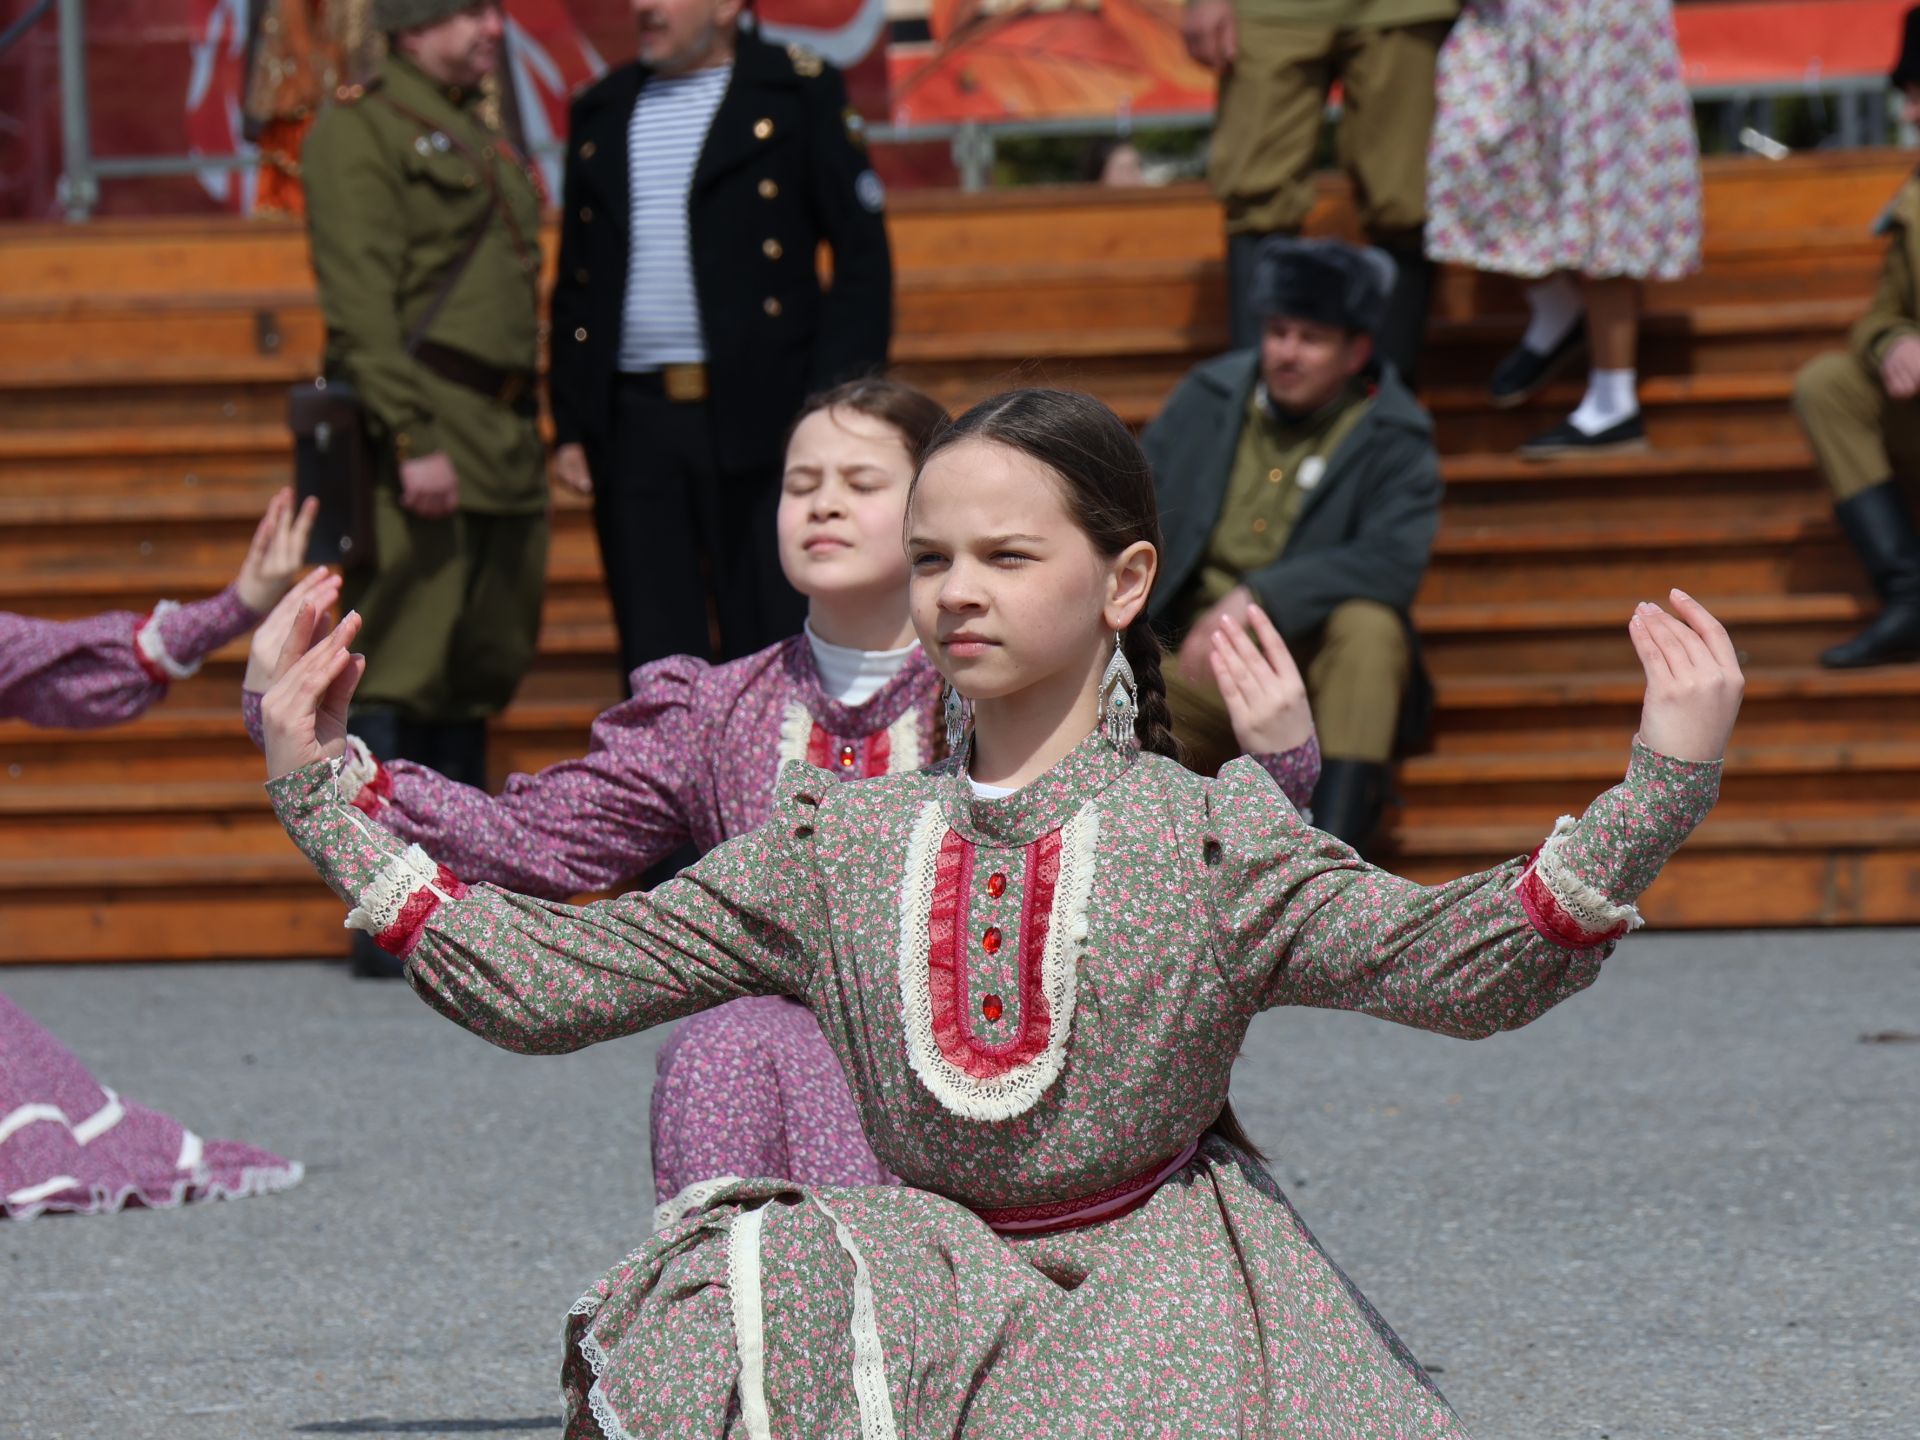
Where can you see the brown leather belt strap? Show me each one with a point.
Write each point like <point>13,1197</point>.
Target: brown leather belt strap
<point>512,388</point>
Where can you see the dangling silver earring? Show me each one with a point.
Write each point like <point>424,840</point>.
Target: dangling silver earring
<point>1119,700</point>
<point>959,718</point>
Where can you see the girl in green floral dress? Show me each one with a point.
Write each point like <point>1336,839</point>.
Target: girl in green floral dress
<point>1036,964</point>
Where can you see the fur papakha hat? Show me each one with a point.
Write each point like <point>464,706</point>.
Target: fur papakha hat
<point>389,16</point>
<point>1328,282</point>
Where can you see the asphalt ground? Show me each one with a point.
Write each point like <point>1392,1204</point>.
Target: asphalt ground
<point>1686,1203</point>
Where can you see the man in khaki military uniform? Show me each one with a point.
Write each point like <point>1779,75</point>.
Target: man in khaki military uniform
<point>1300,476</point>
<point>412,187</point>
<point>1278,61</point>
<point>1861,411</point>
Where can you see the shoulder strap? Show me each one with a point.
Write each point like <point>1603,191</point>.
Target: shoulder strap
<point>445,292</point>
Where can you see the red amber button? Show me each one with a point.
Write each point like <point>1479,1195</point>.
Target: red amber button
<point>990,942</point>
<point>996,885</point>
<point>991,1007</point>
<point>847,754</point>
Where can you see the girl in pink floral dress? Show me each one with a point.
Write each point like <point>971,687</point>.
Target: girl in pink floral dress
<point>1563,152</point>
<point>69,1144</point>
<point>751,1088</point>
<point>1036,962</point>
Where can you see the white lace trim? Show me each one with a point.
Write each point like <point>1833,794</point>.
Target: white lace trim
<point>685,1202</point>
<point>796,731</point>
<point>1585,905</point>
<point>154,646</point>
<point>869,1361</point>
<point>903,745</point>
<point>749,1319</point>
<point>382,901</point>
<point>1018,1090</point>
<point>357,769</point>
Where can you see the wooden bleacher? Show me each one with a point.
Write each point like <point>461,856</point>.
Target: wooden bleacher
<point>142,375</point>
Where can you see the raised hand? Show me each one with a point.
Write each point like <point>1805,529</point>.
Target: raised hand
<point>317,589</point>
<point>1266,698</point>
<point>278,550</point>
<point>305,713</point>
<point>1694,682</point>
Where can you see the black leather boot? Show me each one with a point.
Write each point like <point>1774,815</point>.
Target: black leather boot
<point>1879,524</point>
<point>1403,329</point>
<point>1243,326</point>
<point>1348,800</point>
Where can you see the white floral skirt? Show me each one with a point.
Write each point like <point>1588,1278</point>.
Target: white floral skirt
<point>1564,141</point>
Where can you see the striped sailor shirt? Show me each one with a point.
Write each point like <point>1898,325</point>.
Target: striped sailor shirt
<point>661,323</point>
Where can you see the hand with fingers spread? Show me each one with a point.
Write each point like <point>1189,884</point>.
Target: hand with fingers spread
<point>1266,698</point>
<point>305,713</point>
<point>318,589</point>
<point>277,551</point>
<point>1694,682</point>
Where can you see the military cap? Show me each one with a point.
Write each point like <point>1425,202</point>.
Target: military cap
<point>1328,282</point>
<point>387,16</point>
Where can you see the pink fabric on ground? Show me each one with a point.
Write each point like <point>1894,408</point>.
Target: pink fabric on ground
<point>69,1144</point>
<point>79,674</point>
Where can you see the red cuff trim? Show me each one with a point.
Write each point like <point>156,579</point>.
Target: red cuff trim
<point>399,938</point>
<point>376,793</point>
<point>1550,917</point>
<point>147,667</point>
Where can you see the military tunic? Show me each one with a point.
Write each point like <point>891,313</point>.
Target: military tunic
<point>401,176</point>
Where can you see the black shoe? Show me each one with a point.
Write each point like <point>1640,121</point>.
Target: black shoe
<point>1348,800</point>
<point>1880,527</point>
<point>1566,438</point>
<point>370,962</point>
<point>1525,373</point>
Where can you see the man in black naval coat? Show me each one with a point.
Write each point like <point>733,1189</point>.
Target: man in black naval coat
<point>689,321</point>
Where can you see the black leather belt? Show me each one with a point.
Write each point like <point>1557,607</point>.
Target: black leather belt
<point>512,388</point>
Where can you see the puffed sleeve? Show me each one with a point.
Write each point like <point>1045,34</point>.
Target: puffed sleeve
<point>543,977</point>
<point>1302,920</point>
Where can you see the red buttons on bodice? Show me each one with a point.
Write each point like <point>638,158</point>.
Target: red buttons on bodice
<point>847,756</point>
<point>996,885</point>
<point>990,942</point>
<point>991,1007</point>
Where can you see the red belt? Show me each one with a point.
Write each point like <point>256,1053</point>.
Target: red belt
<point>1109,1204</point>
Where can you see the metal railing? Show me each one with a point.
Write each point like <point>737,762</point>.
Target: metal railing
<point>1859,103</point>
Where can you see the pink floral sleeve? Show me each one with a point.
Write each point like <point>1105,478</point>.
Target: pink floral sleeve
<point>1295,771</point>
<point>540,976</point>
<point>1307,922</point>
<point>109,668</point>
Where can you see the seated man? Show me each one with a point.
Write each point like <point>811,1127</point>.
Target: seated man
<point>1301,477</point>
<point>1861,414</point>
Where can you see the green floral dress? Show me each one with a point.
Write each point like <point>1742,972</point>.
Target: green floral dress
<point>1038,1001</point>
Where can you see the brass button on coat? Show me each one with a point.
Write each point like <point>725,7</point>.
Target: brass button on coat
<point>771,249</point>
<point>1259,524</point>
<point>581,333</point>
<point>580,275</point>
<point>771,306</point>
<point>762,129</point>
<point>586,150</point>
<point>586,214</point>
<point>769,190</point>
<point>1274,477</point>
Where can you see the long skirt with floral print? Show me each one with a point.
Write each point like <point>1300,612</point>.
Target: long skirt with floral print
<point>889,1312</point>
<point>1564,140</point>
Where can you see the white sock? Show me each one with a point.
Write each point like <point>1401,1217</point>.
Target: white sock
<point>1611,397</point>
<point>1556,307</point>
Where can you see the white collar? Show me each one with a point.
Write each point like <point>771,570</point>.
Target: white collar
<point>853,677</point>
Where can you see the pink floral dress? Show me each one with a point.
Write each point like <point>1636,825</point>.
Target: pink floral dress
<point>1038,1001</point>
<point>1564,140</point>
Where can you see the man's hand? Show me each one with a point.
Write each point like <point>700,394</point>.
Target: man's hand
<point>278,550</point>
<point>305,713</point>
<point>1213,39</point>
<point>1900,368</point>
<point>429,487</point>
<point>1196,651</point>
<point>570,469</point>
<point>318,590</point>
<point>1694,682</point>
<point>1266,698</point>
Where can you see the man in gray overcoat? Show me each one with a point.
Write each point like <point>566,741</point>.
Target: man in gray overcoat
<point>1300,476</point>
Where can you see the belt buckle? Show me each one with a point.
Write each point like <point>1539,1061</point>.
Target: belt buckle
<point>684,384</point>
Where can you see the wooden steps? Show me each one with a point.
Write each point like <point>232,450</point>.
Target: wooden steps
<point>143,368</point>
